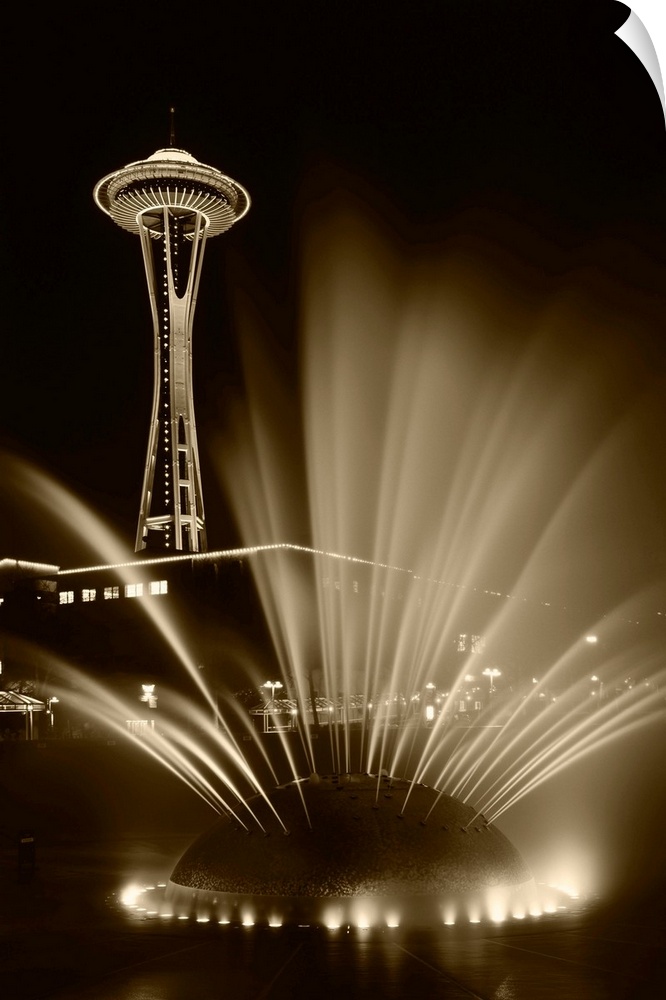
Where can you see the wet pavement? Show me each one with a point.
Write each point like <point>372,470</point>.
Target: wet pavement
<point>66,934</point>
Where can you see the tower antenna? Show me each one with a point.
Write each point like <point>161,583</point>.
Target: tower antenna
<point>172,127</point>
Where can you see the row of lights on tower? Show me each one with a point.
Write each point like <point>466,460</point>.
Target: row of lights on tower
<point>165,350</point>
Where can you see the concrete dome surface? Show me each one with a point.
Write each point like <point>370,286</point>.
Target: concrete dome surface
<point>348,837</point>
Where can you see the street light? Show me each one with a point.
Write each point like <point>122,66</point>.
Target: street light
<point>491,673</point>
<point>429,708</point>
<point>273,686</point>
<point>51,702</point>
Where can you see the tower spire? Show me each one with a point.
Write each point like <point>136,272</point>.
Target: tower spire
<point>172,127</point>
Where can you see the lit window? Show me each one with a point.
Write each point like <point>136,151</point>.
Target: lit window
<point>133,590</point>
<point>158,587</point>
<point>89,595</point>
<point>66,596</point>
<point>140,727</point>
<point>111,593</point>
<point>355,586</point>
<point>478,644</point>
<point>462,643</point>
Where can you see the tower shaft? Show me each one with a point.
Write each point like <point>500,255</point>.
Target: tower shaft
<point>171,512</point>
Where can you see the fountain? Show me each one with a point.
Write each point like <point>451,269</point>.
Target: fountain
<point>434,676</point>
<point>357,851</point>
<point>391,354</point>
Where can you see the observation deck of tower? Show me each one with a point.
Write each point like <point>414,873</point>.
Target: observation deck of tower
<point>175,204</point>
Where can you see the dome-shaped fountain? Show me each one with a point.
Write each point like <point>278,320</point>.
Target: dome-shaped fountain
<point>352,849</point>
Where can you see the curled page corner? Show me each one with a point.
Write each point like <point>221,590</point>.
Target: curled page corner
<point>644,32</point>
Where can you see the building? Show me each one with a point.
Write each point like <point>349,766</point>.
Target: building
<point>174,203</point>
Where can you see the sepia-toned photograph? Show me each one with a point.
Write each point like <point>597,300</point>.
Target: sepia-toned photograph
<point>333,501</point>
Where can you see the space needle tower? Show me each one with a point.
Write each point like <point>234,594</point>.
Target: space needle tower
<point>175,204</point>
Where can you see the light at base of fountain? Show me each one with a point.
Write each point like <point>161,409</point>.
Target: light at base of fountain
<point>362,916</point>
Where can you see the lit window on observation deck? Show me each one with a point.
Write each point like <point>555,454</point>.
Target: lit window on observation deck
<point>66,596</point>
<point>88,595</point>
<point>111,593</point>
<point>133,590</point>
<point>159,587</point>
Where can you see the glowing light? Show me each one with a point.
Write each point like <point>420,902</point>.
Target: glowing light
<point>130,894</point>
<point>497,912</point>
<point>332,917</point>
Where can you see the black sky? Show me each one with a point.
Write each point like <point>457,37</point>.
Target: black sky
<point>525,126</point>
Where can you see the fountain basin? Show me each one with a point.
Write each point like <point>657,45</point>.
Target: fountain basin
<point>353,848</point>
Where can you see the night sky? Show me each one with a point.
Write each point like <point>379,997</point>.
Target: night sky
<point>527,136</point>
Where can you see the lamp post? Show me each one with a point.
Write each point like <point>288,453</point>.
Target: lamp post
<point>273,686</point>
<point>491,673</point>
<point>50,703</point>
<point>429,706</point>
